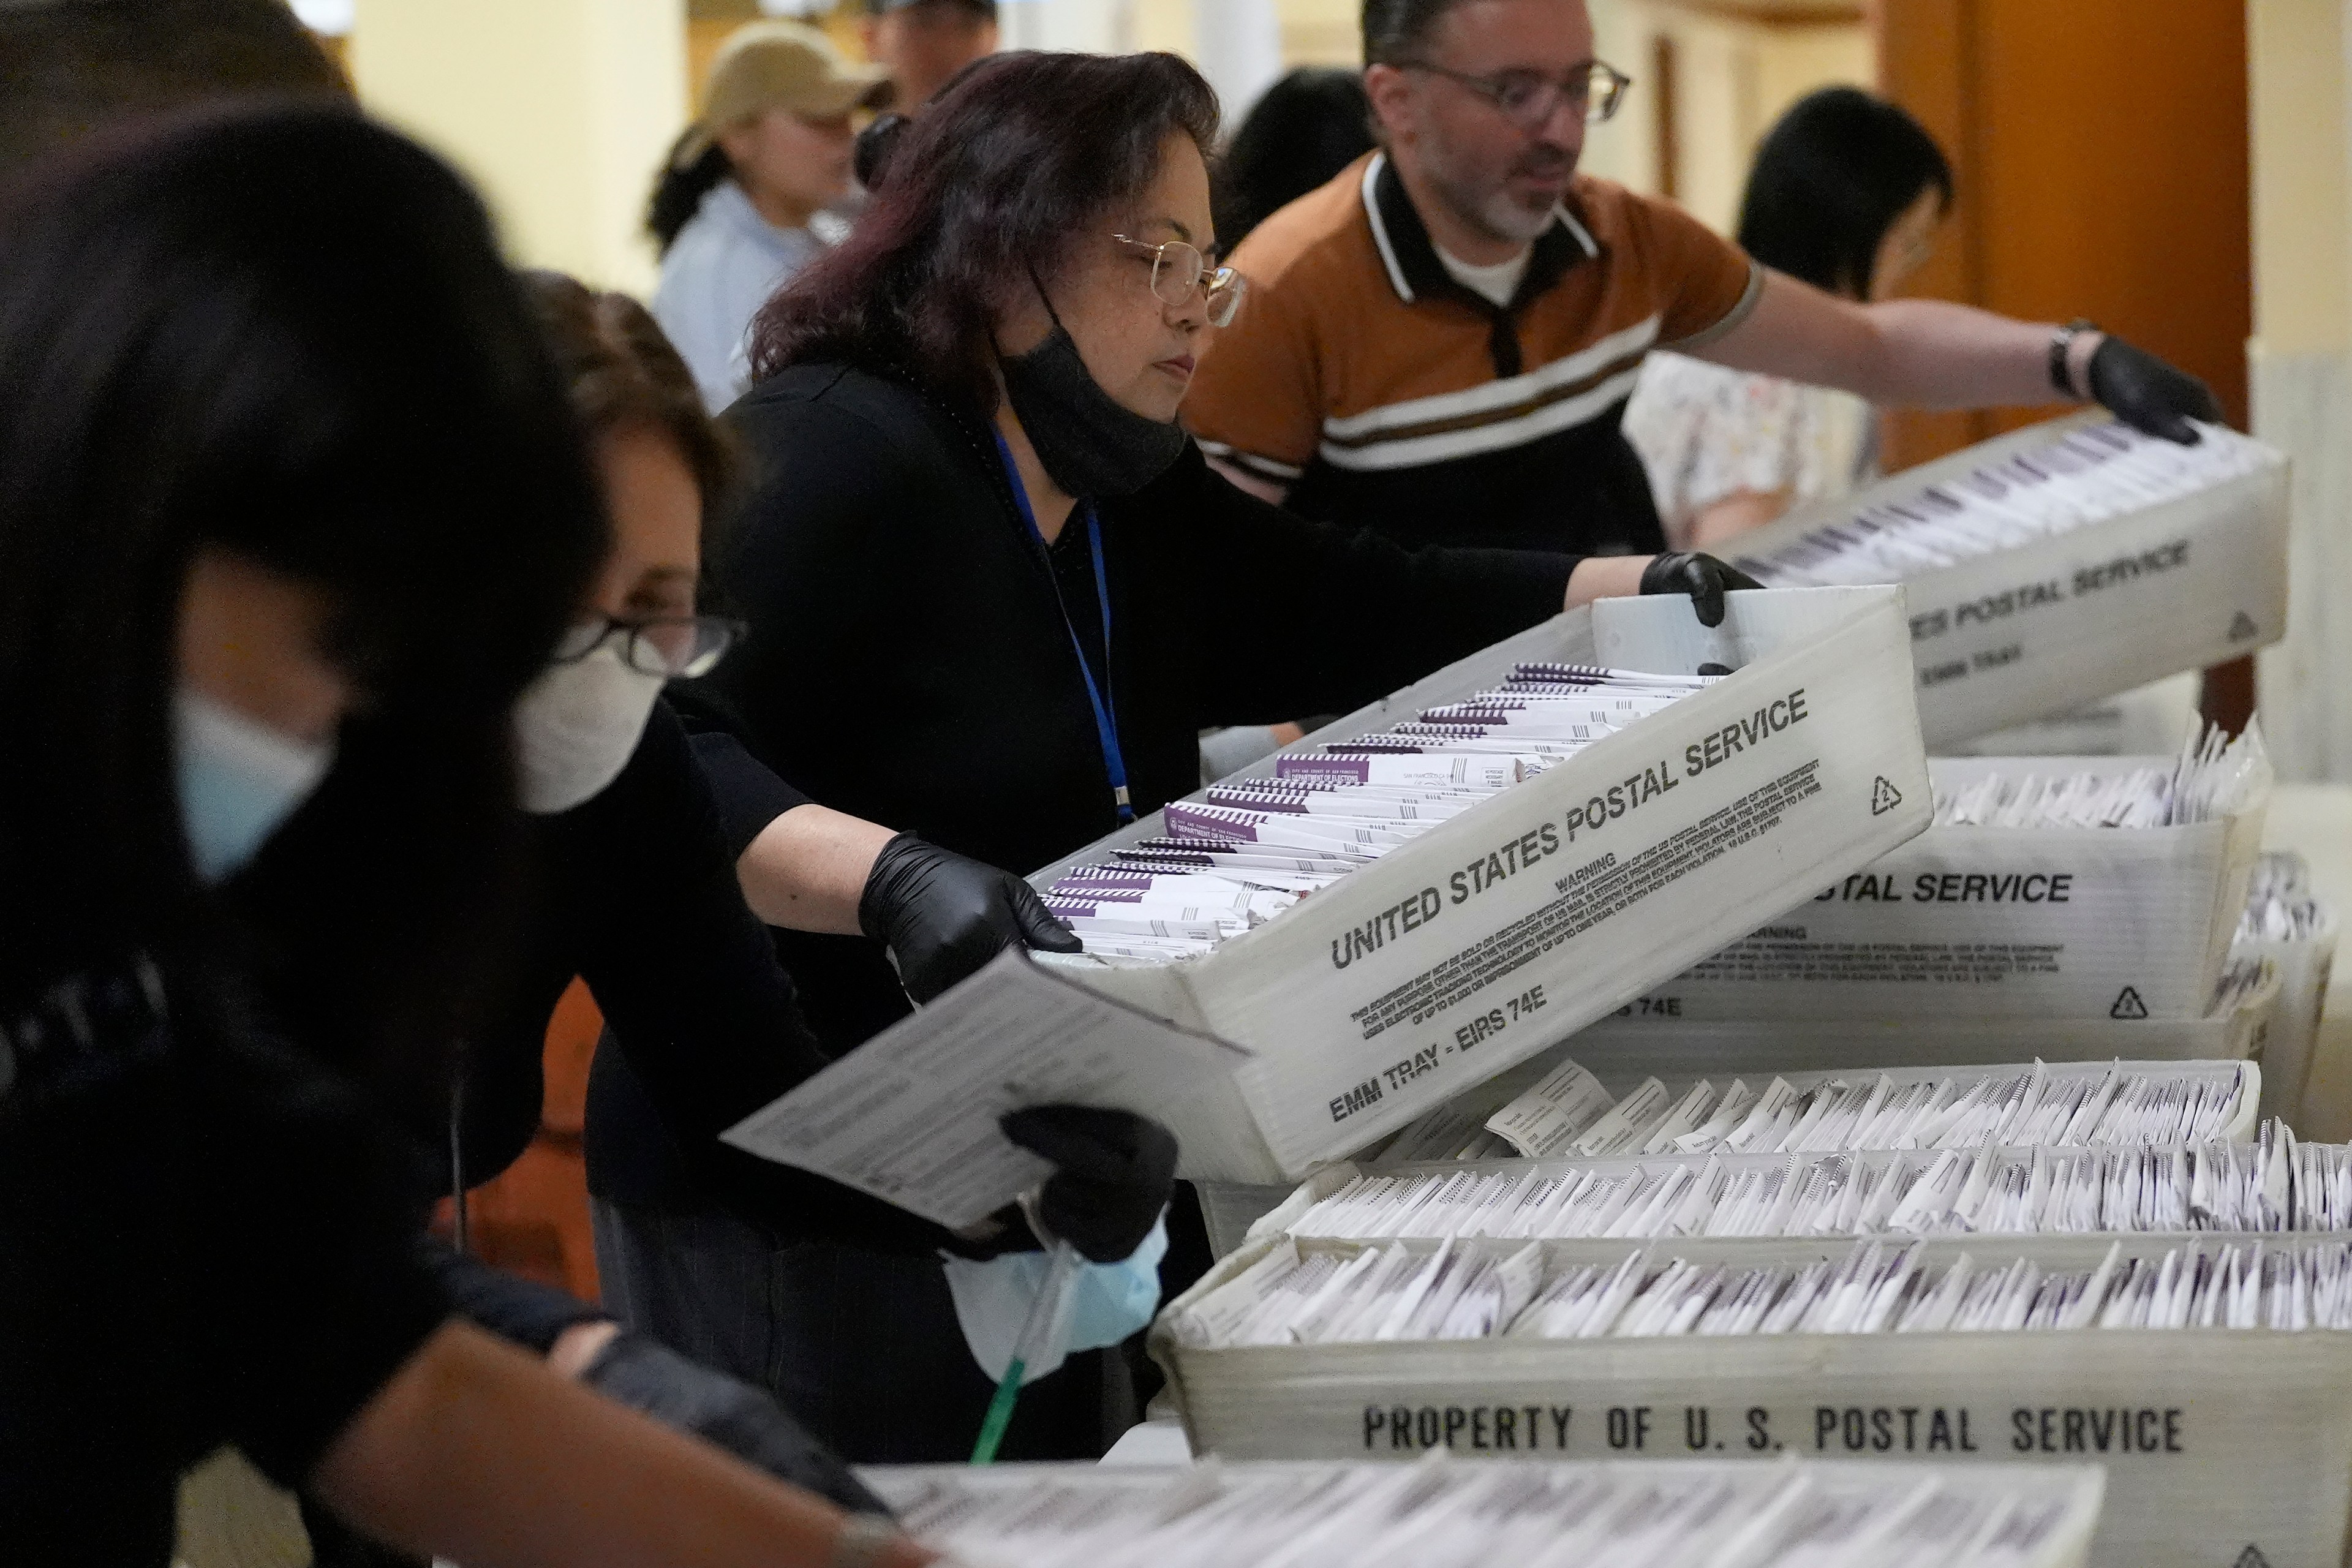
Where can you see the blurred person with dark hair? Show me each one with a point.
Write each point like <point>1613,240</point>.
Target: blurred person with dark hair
<point>291,508</point>
<point>1845,194</point>
<point>1302,131</point>
<point>1440,341</point>
<point>923,43</point>
<point>740,206</point>
<point>71,67</point>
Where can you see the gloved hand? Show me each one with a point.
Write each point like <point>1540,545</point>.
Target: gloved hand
<point>747,1422</point>
<point>1702,577</point>
<point>1114,1172</point>
<point>943,916</point>
<point>2148,395</point>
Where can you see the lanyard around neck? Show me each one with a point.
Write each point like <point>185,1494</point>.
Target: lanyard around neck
<point>1098,694</point>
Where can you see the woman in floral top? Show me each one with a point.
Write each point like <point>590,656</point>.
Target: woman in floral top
<point>1846,194</point>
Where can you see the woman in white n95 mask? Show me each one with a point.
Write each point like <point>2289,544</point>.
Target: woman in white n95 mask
<point>577,724</point>
<point>642,845</point>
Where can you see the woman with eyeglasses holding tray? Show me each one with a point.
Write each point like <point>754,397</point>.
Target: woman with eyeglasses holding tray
<point>994,593</point>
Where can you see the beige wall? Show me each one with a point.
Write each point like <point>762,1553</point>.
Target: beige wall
<point>2299,371</point>
<point>1737,76</point>
<point>1321,32</point>
<point>1733,76</point>
<point>2302,294</point>
<point>559,110</point>
<point>2299,366</point>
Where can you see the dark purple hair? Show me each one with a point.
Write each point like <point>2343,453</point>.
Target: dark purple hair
<point>1015,159</point>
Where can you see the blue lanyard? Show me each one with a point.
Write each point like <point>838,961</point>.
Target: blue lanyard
<point>1098,694</point>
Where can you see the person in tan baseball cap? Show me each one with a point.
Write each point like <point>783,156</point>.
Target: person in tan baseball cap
<point>740,206</point>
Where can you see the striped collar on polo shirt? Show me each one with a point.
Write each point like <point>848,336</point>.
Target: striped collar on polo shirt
<point>1409,256</point>
<point>1410,259</point>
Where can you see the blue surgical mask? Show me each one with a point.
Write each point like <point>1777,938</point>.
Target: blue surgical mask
<point>1106,1303</point>
<point>239,779</point>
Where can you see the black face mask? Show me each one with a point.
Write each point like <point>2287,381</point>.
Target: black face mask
<point>1090,445</point>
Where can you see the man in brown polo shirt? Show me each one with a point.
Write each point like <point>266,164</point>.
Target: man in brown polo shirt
<point>1439,343</point>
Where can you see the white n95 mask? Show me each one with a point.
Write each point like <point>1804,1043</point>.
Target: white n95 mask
<point>238,779</point>
<point>576,725</point>
<point>1104,1305</point>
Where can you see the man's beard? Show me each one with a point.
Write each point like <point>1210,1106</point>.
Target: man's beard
<point>1488,205</point>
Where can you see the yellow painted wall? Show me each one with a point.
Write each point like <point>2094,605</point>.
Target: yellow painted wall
<point>703,37</point>
<point>1321,32</point>
<point>2303,292</point>
<point>2299,371</point>
<point>559,110</point>
<point>1734,78</point>
<point>1166,24</point>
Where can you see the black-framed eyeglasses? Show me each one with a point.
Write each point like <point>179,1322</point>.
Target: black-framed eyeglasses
<point>670,647</point>
<point>1529,99</point>
<point>1178,268</point>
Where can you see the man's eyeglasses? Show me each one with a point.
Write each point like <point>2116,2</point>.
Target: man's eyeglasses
<point>669,647</point>
<point>1179,267</point>
<point>1529,100</point>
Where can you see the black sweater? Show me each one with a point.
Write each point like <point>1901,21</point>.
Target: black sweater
<point>635,892</point>
<point>908,661</point>
<point>206,1239</point>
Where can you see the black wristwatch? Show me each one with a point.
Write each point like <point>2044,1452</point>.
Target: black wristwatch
<point>2061,342</point>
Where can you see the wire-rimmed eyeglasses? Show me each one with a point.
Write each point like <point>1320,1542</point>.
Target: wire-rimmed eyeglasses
<point>1529,98</point>
<point>1178,268</point>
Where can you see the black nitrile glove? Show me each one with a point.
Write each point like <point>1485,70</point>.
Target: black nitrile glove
<point>1114,1172</point>
<point>747,1422</point>
<point>943,916</point>
<point>1702,577</point>
<point>2148,395</point>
